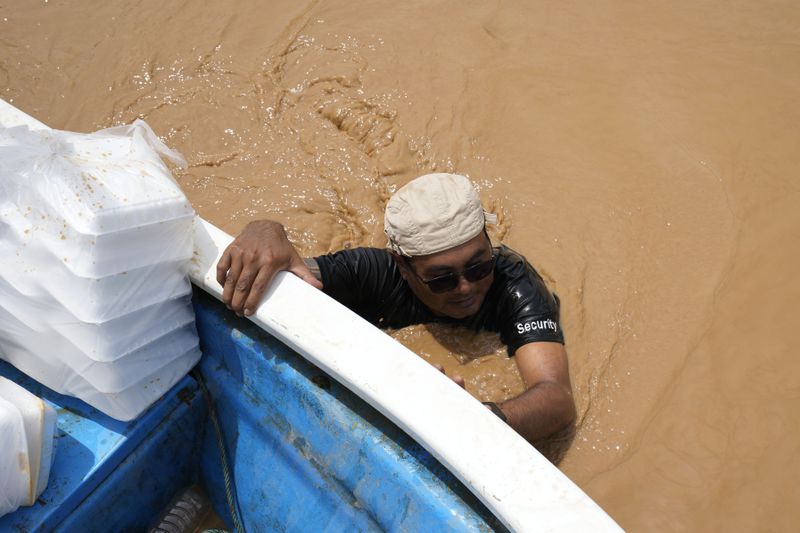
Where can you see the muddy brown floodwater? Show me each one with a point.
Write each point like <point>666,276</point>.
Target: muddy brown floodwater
<point>643,155</point>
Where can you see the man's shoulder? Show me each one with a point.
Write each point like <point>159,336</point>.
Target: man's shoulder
<point>513,267</point>
<point>526,309</point>
<point>361,265</point>
<point>355,256</point>
<point>518,283</point>
<point>368,282</point>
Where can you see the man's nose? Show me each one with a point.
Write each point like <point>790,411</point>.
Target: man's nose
<point>463,286</point>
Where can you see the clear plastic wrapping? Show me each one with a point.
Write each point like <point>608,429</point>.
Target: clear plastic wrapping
<point>34,272</point>
<point>96,240</point>
<point>129,386</point>
<point>104,341</point>
<point>108,376</point>
<point>27,427</point>
<point>14,477</point>
<point>96,255</point>
<point>95,183</point>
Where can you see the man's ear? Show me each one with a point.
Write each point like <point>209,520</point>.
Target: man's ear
<point>401,263</point>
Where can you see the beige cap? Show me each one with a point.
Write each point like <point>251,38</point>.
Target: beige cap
<point>433,213</point>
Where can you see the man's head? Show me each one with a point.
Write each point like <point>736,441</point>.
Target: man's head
<point>436,230</point>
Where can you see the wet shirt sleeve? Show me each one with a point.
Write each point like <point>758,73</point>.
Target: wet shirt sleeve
<point>528,311</point>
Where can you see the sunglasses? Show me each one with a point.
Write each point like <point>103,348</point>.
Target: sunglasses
<point>449,281</point>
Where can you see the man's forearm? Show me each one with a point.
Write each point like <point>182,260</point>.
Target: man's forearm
<point>540,411</point>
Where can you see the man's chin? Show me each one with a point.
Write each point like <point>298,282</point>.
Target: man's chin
<point>463,311</point>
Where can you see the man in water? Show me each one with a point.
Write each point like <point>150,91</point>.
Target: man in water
<point>439,267</point>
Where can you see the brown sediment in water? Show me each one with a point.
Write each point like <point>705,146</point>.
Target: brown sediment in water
<point>642,156</point>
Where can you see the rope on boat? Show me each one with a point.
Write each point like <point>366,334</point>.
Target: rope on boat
<point>230,489</point>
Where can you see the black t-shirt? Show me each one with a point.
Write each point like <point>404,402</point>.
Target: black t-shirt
<point>518,305</point>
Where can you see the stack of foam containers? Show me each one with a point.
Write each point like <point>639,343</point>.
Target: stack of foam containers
<point>27,427</point>
<point>96,241</point>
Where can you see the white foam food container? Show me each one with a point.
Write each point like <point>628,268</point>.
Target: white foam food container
<point>97,226</point>
<point>106,377</point>
<point>50,369</point>
<point>28,439</point>
<point>124,405</point>
<point>106,181</point>
<point>14,470</point>
<point>96,256</point>
<point>34,272</point>
<point>100,341</point>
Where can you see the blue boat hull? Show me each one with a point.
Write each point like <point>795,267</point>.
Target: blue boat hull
<point>305,453</point>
